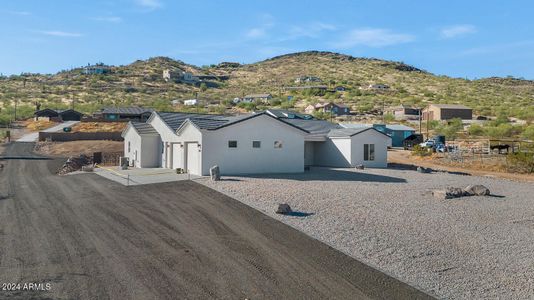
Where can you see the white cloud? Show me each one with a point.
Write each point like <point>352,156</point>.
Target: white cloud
<point>373,37</point>
<point>19,13</point>
<point>457,30</point>
<point>150,4</point>
<point>261,31</point>
<point>110,19</point>
<point>255,33</point>
<point>60,33</point>
<point>312,30</point>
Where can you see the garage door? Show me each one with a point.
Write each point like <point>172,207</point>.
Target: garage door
<point>177,156</point>
<point>193,158</point>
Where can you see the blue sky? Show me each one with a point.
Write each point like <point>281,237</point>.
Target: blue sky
<point>471,39</point>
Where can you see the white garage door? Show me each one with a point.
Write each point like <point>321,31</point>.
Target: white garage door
<point>177,156</point>
<point>193,158</point>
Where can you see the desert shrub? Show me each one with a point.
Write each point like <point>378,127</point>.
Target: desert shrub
<point>476,130</point>
<point>521,162</point>
<point>421,151</point>
<point>528,133</point>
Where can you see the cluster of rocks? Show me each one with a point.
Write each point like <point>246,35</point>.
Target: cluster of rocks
<point>284,209</point>
<point>454,192</point>
<point>75,163</point>
<point>424,170</point>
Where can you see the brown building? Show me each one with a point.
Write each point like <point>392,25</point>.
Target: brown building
<point>447,111</point>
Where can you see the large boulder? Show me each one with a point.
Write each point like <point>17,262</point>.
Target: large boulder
<point>477,190</point>
<point>215,173</point>
<point>284,209</point>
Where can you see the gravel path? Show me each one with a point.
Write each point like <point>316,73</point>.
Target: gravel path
<point>467,248</point>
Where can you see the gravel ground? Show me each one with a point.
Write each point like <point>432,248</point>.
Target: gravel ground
<point>466,248</point>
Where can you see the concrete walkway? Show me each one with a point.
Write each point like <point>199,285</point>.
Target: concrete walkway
<point>34,136</point>
<point>141,176</point>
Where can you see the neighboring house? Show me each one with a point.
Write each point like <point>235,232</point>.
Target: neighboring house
<point>304,79</point>
<point>307,87</point>
<point>176,102</point>
<point>191,102</point>
<point>58,115</point>
<point>447,112</point>
<point>406,113</point>
<point>133,113</point>
<point>179,76</point>
<point>398,133</point>
<point>257,98</point>
<point>336,109</point>
<point>97,69</point>
<point>288,114</point>
<point>378,87</point>
<point>250,144</point>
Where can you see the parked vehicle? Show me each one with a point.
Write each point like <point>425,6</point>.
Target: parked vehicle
<point>412,140</point>
<point>427,144</point>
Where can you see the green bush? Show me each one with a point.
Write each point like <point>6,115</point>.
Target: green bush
<point>421,151</point>
<point>522,162</point>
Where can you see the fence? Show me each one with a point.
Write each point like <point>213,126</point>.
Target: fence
<point>79,136</point>
<point>107,158</point>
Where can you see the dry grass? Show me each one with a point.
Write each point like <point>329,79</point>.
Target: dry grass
<point>99,127</point>
<point>33,125</point>
<point>78,147</point>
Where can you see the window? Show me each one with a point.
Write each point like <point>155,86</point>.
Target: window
<point>256,144</point>
<point>277,144</point>
<point>232,144</point>
<point>368,152</point>
<point>128,147</point>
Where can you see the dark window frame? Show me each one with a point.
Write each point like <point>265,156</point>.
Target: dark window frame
<point>232,144</point>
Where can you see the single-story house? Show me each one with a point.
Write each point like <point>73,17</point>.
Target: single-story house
<point>302,79</point>
<point>191,102</point>
<point>403,112</point>
<point>249,144</point>
<point>378,87</point>
<point>97,69</point>
<point>337,109</point>
<point>397,132</point>
<point>133,113</point>
<point>257,98</point>
<point>59,115</point>
<point>447,112</point>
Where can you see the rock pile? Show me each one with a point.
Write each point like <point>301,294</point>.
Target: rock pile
<point>424,170</point>
<point>453,192</point>
<point>75,163</point>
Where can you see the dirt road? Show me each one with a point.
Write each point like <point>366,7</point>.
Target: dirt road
<point>90,238</point>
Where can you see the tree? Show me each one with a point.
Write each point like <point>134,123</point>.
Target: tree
<point>203,87</point>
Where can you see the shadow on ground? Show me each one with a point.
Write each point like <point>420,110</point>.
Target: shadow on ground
<point>332,175</point>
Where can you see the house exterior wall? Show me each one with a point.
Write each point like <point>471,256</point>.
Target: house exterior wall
<point>464,114</point>
<point>370,137</point>
<point>168,138</point>
<point>333,153</point>
<point>248,160</point>
<point>146,147</point>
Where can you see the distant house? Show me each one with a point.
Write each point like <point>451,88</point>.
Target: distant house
<point>304,79</point>
<point>97,69</point>
<point>58,115</point>
<point>191,102</point>
<point>236,100</point>
<point>378,87</point>
<point>288,114</point>
<point>257,98</point>
<point>176,102</point>
<point>406,113</point>
<point>133,113</point>
<point>179,76</point>
<point>307,87</point>
<point>447,112</point>
<point>398,133</point>
<point>330,107</point>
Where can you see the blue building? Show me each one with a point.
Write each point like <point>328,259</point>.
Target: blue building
<point>398,133</point>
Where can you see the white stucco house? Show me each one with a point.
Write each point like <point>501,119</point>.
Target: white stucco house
<point>273,141</point>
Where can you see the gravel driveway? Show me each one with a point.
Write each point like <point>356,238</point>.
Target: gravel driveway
<point>472,247</point>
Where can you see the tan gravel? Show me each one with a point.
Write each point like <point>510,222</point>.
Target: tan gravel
<point>466,248</point>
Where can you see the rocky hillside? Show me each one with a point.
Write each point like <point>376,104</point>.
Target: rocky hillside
<point>142,83</point>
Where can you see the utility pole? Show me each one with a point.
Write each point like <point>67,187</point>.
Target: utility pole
<point>420,121</point>
<point>384,111</point>
<point>427,124</point>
